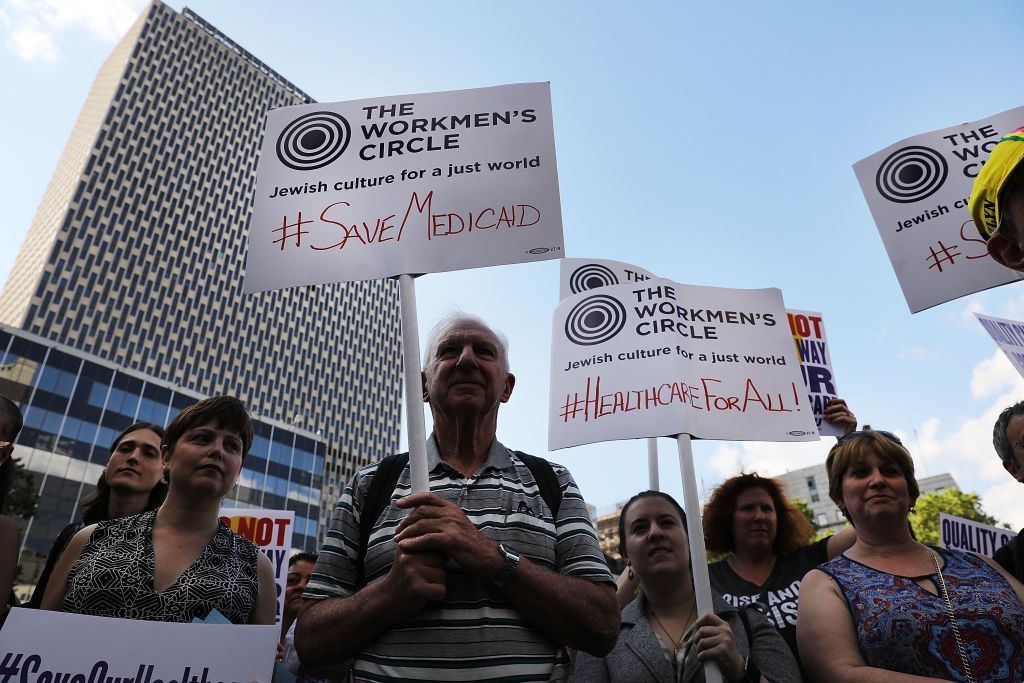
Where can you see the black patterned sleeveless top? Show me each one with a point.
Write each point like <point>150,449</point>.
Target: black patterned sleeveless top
<point>113,576</point>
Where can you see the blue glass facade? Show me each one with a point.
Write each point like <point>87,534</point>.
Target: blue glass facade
<point>75,405</point>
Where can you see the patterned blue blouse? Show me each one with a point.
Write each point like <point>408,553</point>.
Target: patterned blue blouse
<point>902,627</point>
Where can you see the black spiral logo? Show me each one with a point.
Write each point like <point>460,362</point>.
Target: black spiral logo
<point>313,141</point>
<point>911,174</point>
<point>591,276</point>
<point>595,320</point>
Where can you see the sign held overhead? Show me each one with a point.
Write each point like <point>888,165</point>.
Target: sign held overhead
<point>411,184</point>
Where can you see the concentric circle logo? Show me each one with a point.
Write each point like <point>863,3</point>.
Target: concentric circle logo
<point>911,174</point>
<point>591,276</point>
<point>314,140</point>
<point>595,320</point>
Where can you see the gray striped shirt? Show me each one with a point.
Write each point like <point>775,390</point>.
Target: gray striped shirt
<point>474,634</point>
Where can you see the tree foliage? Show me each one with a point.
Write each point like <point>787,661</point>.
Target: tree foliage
<point>925,518</point>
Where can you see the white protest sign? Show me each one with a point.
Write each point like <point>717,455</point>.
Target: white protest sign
<point>580,275</point>
<point>917,190</point>
<point>1008,335</point>
<point>408,184</point>
<point>271,530</point>
<point>658,358</point>
<point>36,645</point>
<point>957,533</point>
<point>808,331</point>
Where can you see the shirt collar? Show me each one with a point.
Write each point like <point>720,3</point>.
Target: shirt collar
<point>498,456</point>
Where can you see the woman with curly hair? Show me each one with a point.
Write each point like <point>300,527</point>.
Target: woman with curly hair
<point>750,517</point>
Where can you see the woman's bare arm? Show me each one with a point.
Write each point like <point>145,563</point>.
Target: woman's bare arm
<point>58,586</point>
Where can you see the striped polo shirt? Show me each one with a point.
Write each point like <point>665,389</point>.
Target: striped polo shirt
<point>474,634</point>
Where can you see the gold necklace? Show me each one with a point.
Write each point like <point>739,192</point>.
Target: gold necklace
<point>676,643</point>
<point>952,619</point>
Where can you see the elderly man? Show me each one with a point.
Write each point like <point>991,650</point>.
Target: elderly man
<point>477,579</point>
<point>997,201</point>
<point>1008,439</point>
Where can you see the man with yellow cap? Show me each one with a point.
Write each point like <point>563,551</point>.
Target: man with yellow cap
<point>997,202</point>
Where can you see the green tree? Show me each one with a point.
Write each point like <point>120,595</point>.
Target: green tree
<point>924,520</point>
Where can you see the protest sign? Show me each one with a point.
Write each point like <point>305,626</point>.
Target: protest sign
<point>580,275</point>
<point>917,190</point>
<point>271,530</point>
<point>808,331</point>
<point>1008,335</point>
<point>37,645</point>
<point>408,184</point>
<point>658,358</point>
<point>957,533</point>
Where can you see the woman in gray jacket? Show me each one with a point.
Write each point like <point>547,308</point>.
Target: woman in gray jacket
<point>661,638</point>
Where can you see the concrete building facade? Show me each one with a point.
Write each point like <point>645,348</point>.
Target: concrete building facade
<point>136,254</point>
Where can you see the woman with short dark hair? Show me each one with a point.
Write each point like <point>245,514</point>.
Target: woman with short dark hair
<point>179,562</point>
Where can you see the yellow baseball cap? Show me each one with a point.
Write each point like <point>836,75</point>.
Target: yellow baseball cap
<point>984,202</point>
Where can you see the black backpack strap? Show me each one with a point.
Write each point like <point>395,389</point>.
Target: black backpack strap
<point>547,480</point>
<point>385,478</point>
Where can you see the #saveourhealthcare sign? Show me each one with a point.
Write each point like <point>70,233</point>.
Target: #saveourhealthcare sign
<point>409,184</point>
<point>52,647</point>
<point>658,358</point>
<point>917,190</point>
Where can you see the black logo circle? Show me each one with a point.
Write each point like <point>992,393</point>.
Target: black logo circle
<point>911,174</point>
<point>591,276</point>
<point>313,140</point>
<point>595,320</point>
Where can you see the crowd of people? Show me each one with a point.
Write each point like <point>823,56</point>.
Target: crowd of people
<point>496,573</point>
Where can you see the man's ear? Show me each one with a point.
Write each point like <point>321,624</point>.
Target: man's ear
<point>510,383</point>
<point>423,381</point>
<point>1006,251</point>
<point>1014,468</point>
<point>165,456</point>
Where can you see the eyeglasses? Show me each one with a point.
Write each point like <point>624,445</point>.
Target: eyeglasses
<point>861,432</point>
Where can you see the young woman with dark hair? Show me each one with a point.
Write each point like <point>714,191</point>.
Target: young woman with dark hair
<point>132,482</point>
<point>661,638</point>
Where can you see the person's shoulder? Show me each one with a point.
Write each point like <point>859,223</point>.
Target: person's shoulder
<point>9,531</point>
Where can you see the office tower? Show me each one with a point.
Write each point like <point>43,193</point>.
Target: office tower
<point>136,255</point>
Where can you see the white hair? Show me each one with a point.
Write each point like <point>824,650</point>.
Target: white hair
<point>454,319</point>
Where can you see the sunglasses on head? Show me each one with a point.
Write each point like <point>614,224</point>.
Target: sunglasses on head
<point>861,432</point>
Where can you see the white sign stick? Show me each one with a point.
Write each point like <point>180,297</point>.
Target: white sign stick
<point>652,464</point>
<point>698,553</point>
<point>419,477</point>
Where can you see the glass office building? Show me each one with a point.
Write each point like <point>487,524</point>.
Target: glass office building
<point>135,260</point>
<point>74,406</point>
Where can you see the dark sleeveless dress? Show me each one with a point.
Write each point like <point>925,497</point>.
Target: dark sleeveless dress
<point>113,576</point>
<point>902,627</point>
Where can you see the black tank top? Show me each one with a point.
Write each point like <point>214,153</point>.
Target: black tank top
<point>113,576</point>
